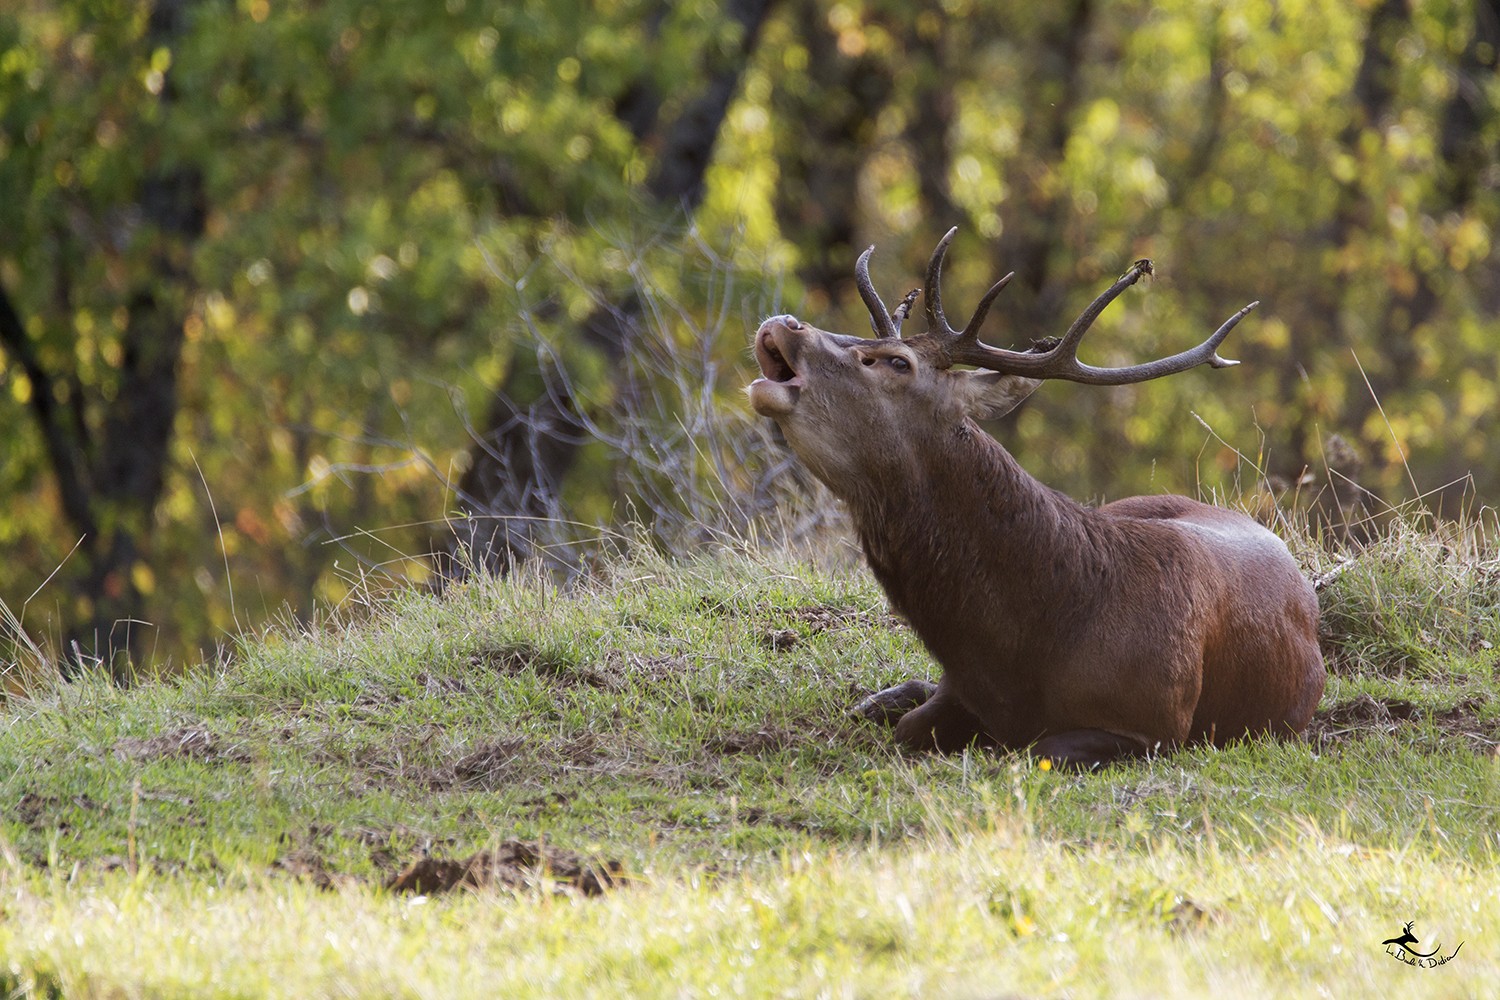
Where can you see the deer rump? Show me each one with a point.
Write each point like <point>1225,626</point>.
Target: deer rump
<point>1085,634</point>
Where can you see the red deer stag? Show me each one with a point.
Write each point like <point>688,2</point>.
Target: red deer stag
<point>1086,634</point>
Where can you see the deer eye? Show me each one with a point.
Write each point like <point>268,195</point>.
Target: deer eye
<point>900,364</point>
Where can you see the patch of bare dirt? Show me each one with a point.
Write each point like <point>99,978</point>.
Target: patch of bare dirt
<point>520,657</point>
<point>620,668</point>
<point>585,751</point>
<point>388,844</point>
<point>187,743</point>
<point>503,762</point>
<point>515,865</point>
<point>1367,712</point>
<point>779,640</point>
<point>490,765</point>
<point>40,811</point>
<point>831,617</point>
<point>1364,715</point>
<point>304,853</point>
<point>818,618</point>
<point>706,605</point>
<point>1185,916</point>
<point>306,864</point>
<point>508,762</point>
<point>767,739</point>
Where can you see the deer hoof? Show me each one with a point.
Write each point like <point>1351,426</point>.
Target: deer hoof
<point>888,706</point>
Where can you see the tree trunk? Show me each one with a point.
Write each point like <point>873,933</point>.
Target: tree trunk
<point>109,451</point>
<point>1318,318</point>
<point>1464,155</point>
<point>1033,213</point>
<point>510,496</point>
<point>826,133</point>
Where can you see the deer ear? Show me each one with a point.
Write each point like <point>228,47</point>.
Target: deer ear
<point>991,395</point>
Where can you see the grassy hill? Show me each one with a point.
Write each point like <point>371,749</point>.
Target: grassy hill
<point>647,785</point>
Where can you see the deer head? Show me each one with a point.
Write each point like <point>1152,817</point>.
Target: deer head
<point>1090,633</point>
<point>851,406</point>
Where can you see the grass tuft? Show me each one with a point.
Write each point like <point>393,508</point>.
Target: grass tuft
<point>1416,603</point>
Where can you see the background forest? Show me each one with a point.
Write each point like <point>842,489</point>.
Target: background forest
<point>285,286</point>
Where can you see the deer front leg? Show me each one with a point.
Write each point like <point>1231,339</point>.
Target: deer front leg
<point>941,723</point>
<point>889,705</point>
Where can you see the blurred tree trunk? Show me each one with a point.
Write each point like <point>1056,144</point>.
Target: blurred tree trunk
<point>1034,212</point>
<point>109,449</point>
<point>1465,147</point>
<point>1034,208</point>
<point>826,119</point>
<point>939,45</point>
<point>1318,318</point>
<point>1416,294</point>
<point>534,431</point>
<point>1464,154</point>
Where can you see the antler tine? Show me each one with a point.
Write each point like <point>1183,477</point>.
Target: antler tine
<point>932,289</point>
<point>971,332</point>
<point>937,322</point>
<point>1069,342</point>
<point>885,327</point>
<point>1061,362</point>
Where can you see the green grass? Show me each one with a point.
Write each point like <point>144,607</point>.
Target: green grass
<point>230,834</point>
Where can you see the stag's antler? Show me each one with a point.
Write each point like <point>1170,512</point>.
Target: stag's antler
<point>937,323</point>
<point>887,324</point>
<point>962,347</point>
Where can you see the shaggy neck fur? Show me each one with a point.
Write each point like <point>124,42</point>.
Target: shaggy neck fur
<point>973,538</point>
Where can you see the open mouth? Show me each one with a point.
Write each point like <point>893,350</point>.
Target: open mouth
<point>778,344</point>
<point>773,364</point>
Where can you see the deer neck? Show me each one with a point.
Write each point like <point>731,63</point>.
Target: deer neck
<point>966,530</point>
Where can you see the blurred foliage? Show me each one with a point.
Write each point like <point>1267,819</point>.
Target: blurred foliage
<point>400,200</point>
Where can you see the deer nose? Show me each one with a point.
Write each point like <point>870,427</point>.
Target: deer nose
<point>786,320</point>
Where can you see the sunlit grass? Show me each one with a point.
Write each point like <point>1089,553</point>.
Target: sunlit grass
<point>687,719</point>
<point>987,912</point>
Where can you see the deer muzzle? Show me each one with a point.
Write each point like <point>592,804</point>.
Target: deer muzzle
<point>778,345</point>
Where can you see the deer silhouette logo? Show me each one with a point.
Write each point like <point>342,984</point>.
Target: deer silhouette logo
<point>1407,939</point>
<point>1405,953</point>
